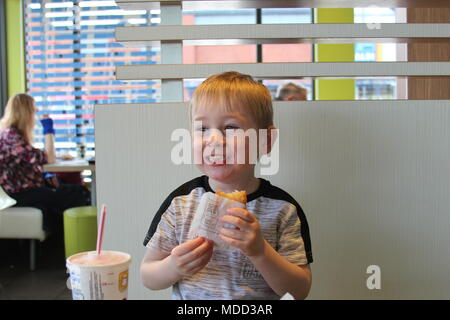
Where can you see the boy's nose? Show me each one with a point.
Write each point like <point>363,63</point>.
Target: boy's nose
<point>215,137</point>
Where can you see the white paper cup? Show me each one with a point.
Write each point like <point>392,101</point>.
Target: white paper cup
<point>92,278</point>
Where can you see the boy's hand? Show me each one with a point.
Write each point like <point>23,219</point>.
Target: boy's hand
<point>248,236</point>
<point>190,257</point>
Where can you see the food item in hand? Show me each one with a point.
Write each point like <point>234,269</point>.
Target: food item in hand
<point>239,196</point>
<point>212,207</point>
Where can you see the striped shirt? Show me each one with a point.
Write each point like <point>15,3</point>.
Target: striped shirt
<point>230,274</point>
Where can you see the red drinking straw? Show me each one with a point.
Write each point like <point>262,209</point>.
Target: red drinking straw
<point>100,229</point>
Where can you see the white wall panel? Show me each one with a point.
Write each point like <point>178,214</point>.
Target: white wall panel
<point>284,33</point>
<point>372,177</point>
<point>240,4</point>
<point>135,174</point>
<point>284,70</point>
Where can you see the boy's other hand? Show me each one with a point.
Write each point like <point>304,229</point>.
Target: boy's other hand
<point>247,236</point>
<point>190,257</point>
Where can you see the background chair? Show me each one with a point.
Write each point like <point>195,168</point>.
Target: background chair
<point>80,229</point>
<point>21,223</point>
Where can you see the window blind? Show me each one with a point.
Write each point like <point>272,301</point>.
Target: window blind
<point>71,56</point>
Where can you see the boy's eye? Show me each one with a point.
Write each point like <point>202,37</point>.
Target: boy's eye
<point>231,127</point>
<point>202,129</point>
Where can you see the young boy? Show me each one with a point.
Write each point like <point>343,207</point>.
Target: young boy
<point>271,235</point>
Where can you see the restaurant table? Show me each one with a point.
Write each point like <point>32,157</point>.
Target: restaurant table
<point>76,165</point>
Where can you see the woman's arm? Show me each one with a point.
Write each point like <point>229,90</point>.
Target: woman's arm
<point>50,147</point>
<point>49,136</point>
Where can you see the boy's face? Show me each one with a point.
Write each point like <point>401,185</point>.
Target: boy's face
<point>224,155</point>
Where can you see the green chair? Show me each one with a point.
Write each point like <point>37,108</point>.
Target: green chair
<point>80,230</point>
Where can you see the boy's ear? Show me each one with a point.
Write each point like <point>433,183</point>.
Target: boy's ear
<point>271,137</point>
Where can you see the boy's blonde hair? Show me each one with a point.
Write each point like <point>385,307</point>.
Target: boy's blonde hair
<point>19,113</point>
<point>234,90</point>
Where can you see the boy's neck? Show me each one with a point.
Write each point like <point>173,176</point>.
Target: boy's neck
<point>250,185</point>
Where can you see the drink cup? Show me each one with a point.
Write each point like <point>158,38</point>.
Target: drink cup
<point>99,277</point>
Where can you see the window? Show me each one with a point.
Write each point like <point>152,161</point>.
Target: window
<point>70,58</point>
<point>381,87</point>
<point>247,53</point>
<point>366,88</point>
<point>71,54</point>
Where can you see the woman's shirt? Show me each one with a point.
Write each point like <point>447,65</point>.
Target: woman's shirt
<point>21,165</point>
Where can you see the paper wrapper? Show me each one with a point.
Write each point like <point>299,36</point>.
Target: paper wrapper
<point>287,296</point>
<point>206,221</point>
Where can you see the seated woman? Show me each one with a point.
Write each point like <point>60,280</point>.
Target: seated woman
<point>21,165</point>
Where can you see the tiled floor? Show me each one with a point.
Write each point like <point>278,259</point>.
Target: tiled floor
<point>47,282</point>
